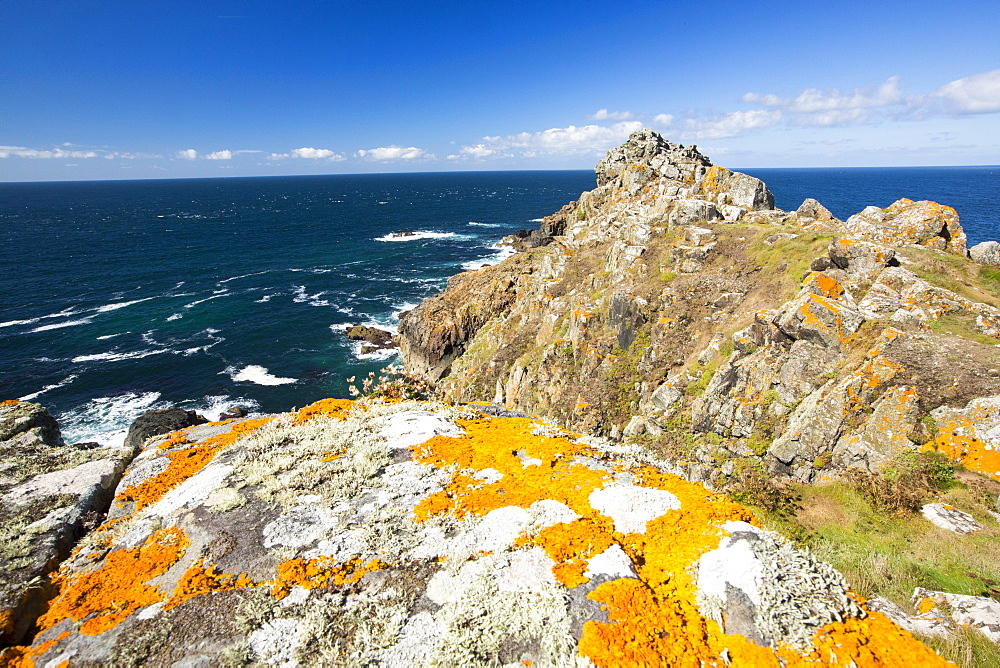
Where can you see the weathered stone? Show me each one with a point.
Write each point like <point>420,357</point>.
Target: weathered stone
<point>884,434</point>
<point>824,313</point>
<point>977,612</point>
<point>861,259</point>
<point>904,222</point>
<point>645,156</point>
<point>987,252</point>
<point>377,337</point>
<point>944,516</point>
<point>971,435</point>
<point>930,623</point>
<point>625,315</point>
<point>50,494</point>
<point>296,540</point>
<point>726,187</point>
<point>812,209</point>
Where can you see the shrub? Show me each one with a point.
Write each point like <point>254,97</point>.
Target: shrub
<point>751,485</point>
<point>394,383</point>
<point>909,481</point>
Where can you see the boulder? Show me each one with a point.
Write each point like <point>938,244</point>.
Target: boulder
<point>904,222</point>
<point>977,612</point>
<point>50,494</point>
<point>159,421</point>
<point>813,210</point>
<point>987,252</point>
<point>860,259</point>
<point>726,187</point>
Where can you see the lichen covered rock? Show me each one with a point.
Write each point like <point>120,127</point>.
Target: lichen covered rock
<point>922,223</point>
<point>425,534</point>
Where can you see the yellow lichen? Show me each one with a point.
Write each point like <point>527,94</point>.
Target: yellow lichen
<point>24,657</point>
<point>184,464</point>
<point>654,619</point>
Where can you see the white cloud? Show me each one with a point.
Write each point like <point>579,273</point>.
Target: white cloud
<point>220,155</point>
<point>569,140</point>
<point>475,152</point>
<point>605,115</point>
<point>976,94</point>
<point>813,100</point>
<point>187,154</point>
<point>733,124</point>
<point>665,120</point>
<point>25,152</point>
<point>387,153</point>
<point>308,153</point>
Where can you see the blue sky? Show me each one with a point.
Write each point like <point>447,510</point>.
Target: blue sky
<point>150,89</point>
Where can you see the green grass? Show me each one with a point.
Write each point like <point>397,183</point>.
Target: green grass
<point>961,325</point>
<point>891,555</point>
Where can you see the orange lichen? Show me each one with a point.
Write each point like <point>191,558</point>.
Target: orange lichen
<point>24,657</point>
<point>235,432</point>
<point>198,580</point>
<point>497,444</point>
<point>173,440</point>
<point>9,402</point>
<point>321,571</point>
<point>957,439</point>
<point>333,408</point>
<point>655,619</point>
<point>105,597</point>
<point>6,622</point>
<point>183,464</point>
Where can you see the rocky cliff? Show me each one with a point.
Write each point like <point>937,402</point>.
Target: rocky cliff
<point>675,306</point>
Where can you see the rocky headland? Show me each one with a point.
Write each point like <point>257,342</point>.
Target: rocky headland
<point>643,413</point>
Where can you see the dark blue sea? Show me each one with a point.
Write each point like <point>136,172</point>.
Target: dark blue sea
<point>121,296</point>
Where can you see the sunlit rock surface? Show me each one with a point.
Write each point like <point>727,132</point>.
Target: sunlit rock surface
<point>425,534</point>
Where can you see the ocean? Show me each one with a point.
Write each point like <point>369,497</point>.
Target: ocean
<point>121,296</point>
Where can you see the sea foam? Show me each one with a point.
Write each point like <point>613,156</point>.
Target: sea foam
<point>254,373</point>
<point>416,236</point>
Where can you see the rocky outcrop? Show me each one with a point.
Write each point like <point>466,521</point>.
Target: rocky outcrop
<point>987,252</point>
<point>438,331</point>
<point>159,421</point>
<point>50,493</point>
<point>408,533</point>
<point>676,305</point>
<point>372,338</point>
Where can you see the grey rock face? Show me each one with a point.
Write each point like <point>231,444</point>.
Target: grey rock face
<point>303,540</point>
<point>50,493</point>
<point>949,610</point>
<point>625,316</point>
